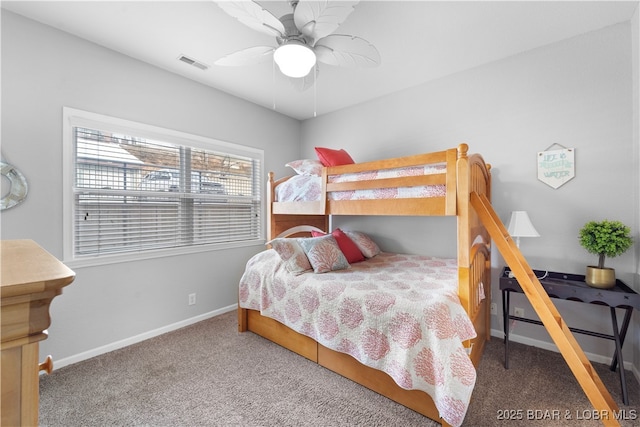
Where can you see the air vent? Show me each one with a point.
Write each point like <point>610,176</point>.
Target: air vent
<point>193,62</point>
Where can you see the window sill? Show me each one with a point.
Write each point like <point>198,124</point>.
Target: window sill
<point>92,261</point>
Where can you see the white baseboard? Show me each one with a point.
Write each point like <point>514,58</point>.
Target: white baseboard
<point>597,358</point>
<point>142,337</point>
<point>156,332</point>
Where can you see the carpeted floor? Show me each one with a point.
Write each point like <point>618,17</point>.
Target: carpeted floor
<point>208,374</point>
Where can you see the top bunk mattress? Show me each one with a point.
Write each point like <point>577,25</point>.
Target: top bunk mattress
<point>308,188</point>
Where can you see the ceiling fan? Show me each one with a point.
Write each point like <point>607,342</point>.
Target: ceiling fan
<point>303,37</point>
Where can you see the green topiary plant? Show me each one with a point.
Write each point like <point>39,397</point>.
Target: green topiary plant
<point>606,239</point>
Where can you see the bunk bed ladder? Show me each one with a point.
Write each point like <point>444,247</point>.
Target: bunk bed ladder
<point>582,369</point>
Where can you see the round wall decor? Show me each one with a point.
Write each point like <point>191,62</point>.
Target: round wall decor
<point>17,186</point>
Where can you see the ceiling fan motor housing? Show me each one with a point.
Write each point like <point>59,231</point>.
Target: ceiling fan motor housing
<point>291,32</point>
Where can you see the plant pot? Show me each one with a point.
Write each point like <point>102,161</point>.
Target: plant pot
<point>603,278</point>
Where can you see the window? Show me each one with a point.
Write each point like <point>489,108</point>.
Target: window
<point>139,190</point>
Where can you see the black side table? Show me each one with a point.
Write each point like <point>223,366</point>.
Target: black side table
<point>573,287</point>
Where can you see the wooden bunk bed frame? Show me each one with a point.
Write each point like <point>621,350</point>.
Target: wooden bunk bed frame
<point>465,174</point>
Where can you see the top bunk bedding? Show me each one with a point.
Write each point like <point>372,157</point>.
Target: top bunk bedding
<point>429,184</point>
<point>308,187</point>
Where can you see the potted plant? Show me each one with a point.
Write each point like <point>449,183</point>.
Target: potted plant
<point>606,239</point>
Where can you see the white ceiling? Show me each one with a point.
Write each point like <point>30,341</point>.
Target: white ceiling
<point>418,41</point>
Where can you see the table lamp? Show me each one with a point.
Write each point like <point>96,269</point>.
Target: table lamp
<point>520,226</point>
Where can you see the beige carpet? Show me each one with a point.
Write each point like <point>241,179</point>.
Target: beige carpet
<point>208,374</point>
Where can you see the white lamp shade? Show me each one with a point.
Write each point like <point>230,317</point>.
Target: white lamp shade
<point>520,225</point>
<point>294,59</point>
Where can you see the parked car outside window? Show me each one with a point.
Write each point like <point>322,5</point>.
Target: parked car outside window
<point>169,180</point>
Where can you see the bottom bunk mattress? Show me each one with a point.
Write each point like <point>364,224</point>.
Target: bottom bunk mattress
<point>396,313</point>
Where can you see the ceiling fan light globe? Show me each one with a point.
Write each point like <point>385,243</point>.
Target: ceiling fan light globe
<point>294,59</point>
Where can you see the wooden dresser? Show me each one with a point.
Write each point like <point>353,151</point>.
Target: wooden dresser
<point>30,279</point>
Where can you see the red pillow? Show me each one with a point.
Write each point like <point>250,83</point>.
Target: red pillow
<point>346,245</point>
<point>329,157</point>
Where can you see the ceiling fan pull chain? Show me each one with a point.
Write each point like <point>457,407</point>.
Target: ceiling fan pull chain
<point>273,83</point>
<point>315,92</point>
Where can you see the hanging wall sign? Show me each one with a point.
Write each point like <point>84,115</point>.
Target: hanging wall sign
<point>556,167</point>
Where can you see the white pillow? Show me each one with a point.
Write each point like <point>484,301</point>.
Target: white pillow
<point>368,247</point>
<point>291,254</point>
<point>306,167</point>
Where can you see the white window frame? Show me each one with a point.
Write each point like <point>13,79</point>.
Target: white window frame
<point>78,118</point>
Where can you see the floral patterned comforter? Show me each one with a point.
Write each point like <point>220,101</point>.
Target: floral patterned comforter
<point>396,313</point>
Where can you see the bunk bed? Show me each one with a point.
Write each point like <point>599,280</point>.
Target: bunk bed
<point>431,184</point>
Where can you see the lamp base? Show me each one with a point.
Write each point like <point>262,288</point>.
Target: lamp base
<point>602,278</point>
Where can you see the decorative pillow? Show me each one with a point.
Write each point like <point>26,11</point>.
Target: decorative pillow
<point>324,254</point>
<point>330,157</point>
<point>292,254</point>
<point>306,167</point>
<point>367,246</point>
<point>346,245</point>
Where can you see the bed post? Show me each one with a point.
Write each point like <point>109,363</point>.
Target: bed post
<point>243,325</point>
<point>474,260</point>
<point>464,244</point>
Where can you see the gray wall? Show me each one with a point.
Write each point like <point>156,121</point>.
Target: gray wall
<point>43,70</point>
<point>577,93</point>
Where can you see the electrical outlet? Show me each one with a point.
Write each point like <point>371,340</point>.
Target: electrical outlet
<point>518,312</point>
<point>192,299</point>
<point>494,308</point>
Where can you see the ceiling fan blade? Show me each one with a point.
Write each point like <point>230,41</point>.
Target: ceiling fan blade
<point>346,51</point>
<point>249,56</point>
<point>254,16</point>
<point>318,19</point>
<point>304,83</point>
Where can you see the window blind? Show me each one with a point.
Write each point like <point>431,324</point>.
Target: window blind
<point>135,194</point>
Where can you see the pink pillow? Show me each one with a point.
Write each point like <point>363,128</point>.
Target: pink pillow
<point>292,255</point>
<point>346,245</point>
<point>306,167</point>
<point>330,157</point>
<point>324,254</point>
<point>367,246</point>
